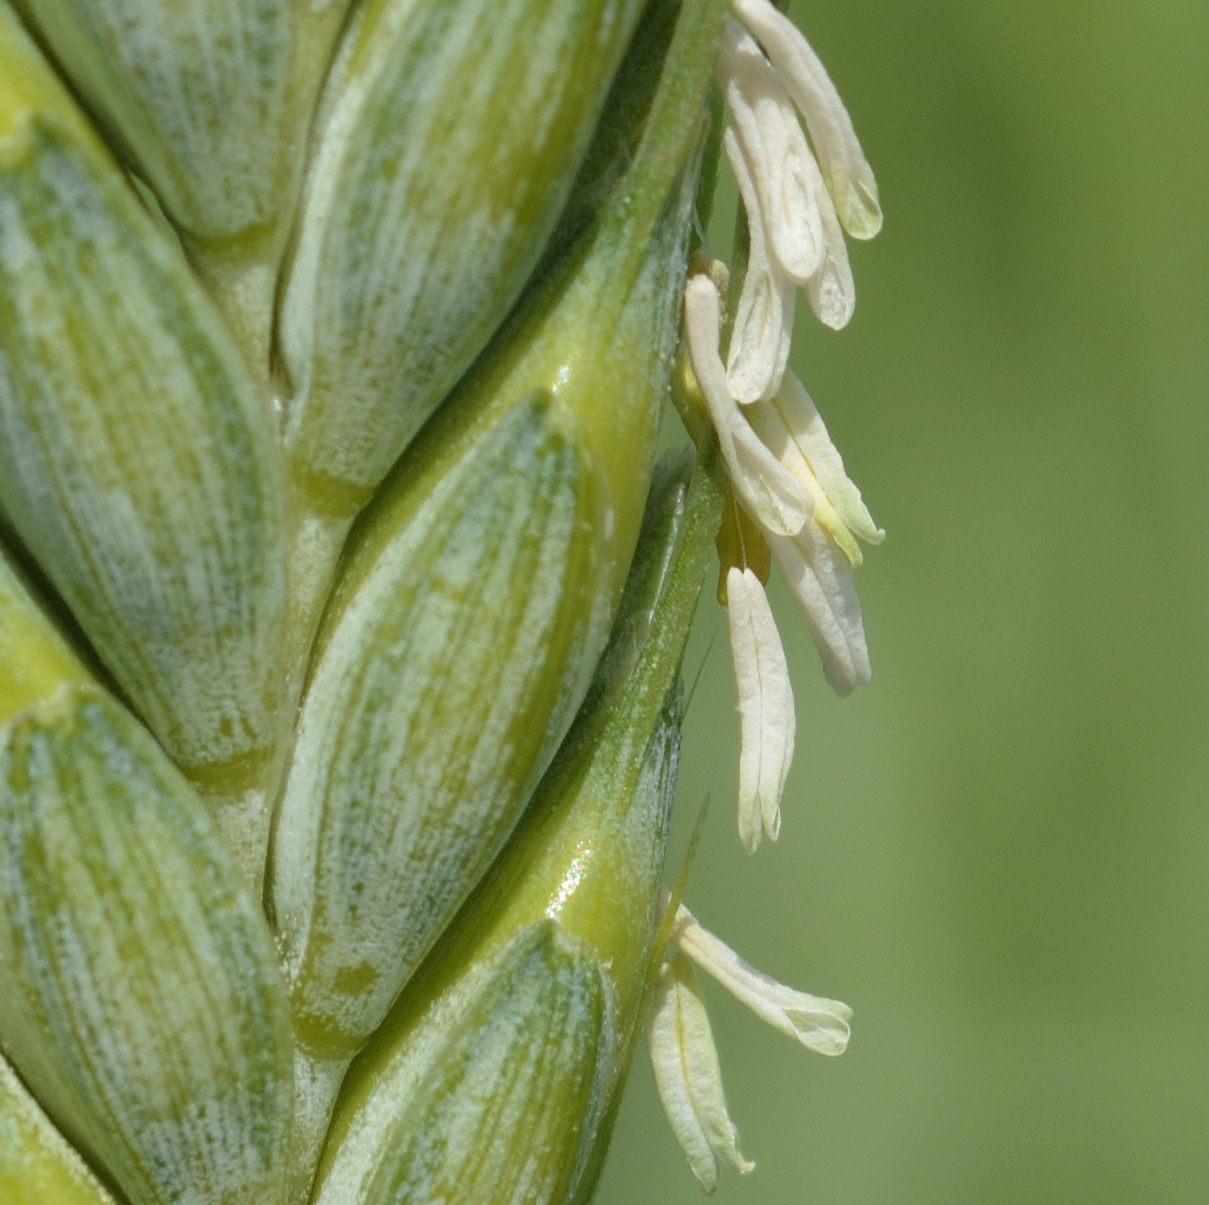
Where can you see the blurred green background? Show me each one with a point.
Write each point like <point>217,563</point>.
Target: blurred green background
<point>998,853</point>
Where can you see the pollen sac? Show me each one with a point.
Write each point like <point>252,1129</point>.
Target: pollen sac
<point>142,1001</point>
<point>36,1164</point>
<point>209,99</point>
<point>138,463</point>
<point>449,135</point>
<point>496,1072</point>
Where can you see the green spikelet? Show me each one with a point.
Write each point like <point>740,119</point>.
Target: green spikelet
<point>512,1048</point>
<point>137,461</point>
<point>141,999</point>
<point>448,142</point>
